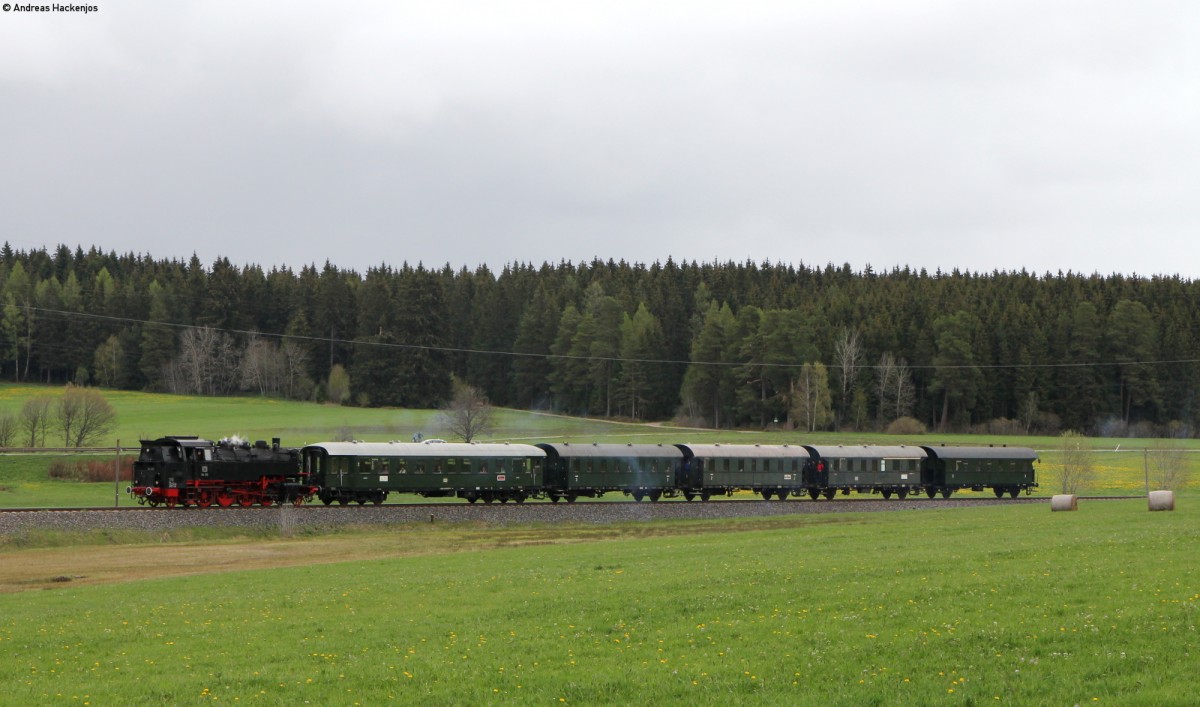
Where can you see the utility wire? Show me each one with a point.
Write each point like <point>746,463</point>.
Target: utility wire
<point>615,359</point>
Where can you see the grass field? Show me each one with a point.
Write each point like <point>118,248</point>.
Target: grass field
<point>986,605</point>
<point>23,480</point>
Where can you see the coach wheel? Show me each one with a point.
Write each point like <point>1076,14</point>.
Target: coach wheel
<point>554,498</point>
<point>902,493</point>
<point>887,494</point>
<point>343,501</point>
<point>830,493</point>
<point>781,494</point>
<point>814,494</point>
<point>931,492</point>
<point>766,495</point>
<point>688,496</point>
<point>704,496</point>
<point>999,491</point>
<point>1014,492</point>
<point>637,496</point>
<point>471,499</point>
<point>326,500</point>
<point>655,495</point>
<point>504,498</point>
<point>519,498</point>
<point>488,497</point>
<point>946,493</point>
<point>571,498</point>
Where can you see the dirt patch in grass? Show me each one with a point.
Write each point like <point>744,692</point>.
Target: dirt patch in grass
<point>86,563</point>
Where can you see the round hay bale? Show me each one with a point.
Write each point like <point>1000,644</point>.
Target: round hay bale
<point>1064,502</point>
<point>1162,500</point>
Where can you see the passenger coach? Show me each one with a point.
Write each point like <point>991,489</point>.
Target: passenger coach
<point>720,469</point>
<point>591,470</point>
<point>362,471</point>
<point>865,469</point>
<point>1003,469</point>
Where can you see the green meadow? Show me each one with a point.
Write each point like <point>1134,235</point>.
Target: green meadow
<point>1004,604</point>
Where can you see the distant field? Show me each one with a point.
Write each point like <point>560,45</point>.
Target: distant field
<point>151,415</point>
<point>1009,605</point>
<point>23,481</point>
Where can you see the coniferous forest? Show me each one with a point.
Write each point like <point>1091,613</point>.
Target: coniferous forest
<point>721,344</point>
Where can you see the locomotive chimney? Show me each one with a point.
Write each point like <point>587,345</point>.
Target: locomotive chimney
<point>275,444</point>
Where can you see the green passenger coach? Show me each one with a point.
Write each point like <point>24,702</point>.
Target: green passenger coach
<point>362,472</point>
<point>591,470</point>
<point>865,469</point>
<point>1003,469</point>
<point>721,469</point>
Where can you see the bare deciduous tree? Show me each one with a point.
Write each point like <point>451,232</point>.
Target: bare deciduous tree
<point>1078,468</point>
<point>896,392</point>
<point>264,367</point>
<point>1029,411</point>
<point>810,397</point>
<point>1167,466</point>
<point>208,364</point>
<point>847,355</point>
<point>296,380</point>
<point>34,420</point>
<point>83,415</point>
<point>468,413</point>
<point>8,430</point>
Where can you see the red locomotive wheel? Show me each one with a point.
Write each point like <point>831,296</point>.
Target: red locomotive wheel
<point>224,500</point>
<point>266,502</point>
<point>204,500</point>
<point>245,501</point>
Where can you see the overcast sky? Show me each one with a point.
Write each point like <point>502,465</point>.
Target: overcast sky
<point>1004,135</point>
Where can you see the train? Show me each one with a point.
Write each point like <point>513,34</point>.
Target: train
<point>178,471</point>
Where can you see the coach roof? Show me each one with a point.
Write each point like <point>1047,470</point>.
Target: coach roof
<point>743,451</point>
<point>611,451</point>
<point>426,449</point>
<point>867,452</point>
<point>983,453</point>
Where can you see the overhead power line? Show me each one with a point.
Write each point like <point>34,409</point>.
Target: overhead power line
<point>616,359</point>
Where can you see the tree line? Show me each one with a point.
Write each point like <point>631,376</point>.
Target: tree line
<point>721,344</point>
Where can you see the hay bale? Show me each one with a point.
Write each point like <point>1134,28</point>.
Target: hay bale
<point>1064,502</point>
<point>1162,500</point>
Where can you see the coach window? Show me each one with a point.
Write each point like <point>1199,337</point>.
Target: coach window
<point>604,466</point>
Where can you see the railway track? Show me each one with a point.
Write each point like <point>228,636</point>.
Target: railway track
<point>847,503</point>
<point>288,519</point>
